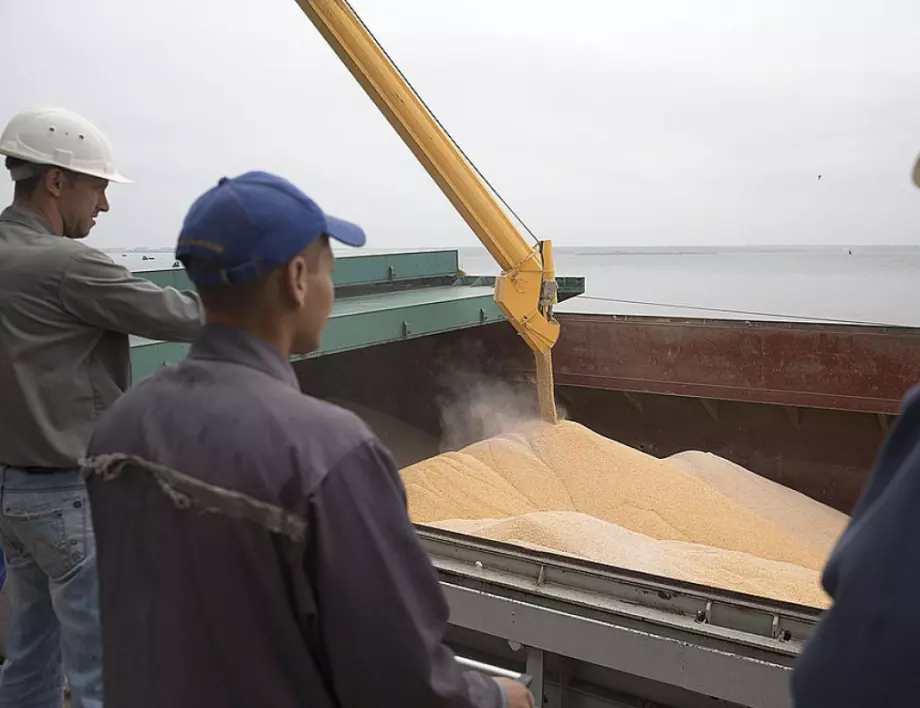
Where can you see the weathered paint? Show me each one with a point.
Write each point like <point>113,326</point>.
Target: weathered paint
<point>364,321</point>
<point>855,368</point>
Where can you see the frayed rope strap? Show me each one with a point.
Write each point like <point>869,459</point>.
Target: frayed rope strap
<point>187,492</point>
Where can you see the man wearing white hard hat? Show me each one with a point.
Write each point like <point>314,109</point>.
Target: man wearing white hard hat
<point>864,651</point>
<point>66,311</point>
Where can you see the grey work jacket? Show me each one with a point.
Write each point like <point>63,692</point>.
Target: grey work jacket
<point>66,310</point>
<point>260,553</point>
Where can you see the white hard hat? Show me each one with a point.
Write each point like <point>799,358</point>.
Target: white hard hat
<point>49,135</point>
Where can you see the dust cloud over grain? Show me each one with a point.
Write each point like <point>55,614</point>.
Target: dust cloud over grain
<point>477,407</point>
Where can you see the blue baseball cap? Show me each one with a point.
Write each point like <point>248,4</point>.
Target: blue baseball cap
<point>249,225</point>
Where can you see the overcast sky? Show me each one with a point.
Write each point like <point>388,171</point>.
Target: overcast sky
<point>604,123</point>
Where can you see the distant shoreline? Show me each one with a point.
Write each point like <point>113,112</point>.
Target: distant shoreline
<point>610,250</point>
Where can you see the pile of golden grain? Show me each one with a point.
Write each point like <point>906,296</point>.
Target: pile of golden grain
<point>692,517</point>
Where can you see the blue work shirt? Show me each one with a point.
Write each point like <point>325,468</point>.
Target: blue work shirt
<point>306,587</point>
<point>865,651</point>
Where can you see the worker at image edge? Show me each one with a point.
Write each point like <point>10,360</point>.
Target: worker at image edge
<point>254,543</point>
<point>864,651</point>
<point>66,311</point>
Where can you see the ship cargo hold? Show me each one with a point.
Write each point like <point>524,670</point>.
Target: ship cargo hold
<point>806,405</point>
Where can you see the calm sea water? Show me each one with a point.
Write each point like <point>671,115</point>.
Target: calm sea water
<point>871,284</point>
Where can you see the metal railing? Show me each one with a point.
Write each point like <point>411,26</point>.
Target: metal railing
<point>496,671</point>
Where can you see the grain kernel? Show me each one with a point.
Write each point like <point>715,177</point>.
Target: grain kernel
<point>692,517</point>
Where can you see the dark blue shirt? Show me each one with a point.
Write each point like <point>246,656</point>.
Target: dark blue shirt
<point>204,608</point>
<point>865,651</point>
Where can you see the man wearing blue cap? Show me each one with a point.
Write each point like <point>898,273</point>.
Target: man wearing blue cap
<point>254,544</point>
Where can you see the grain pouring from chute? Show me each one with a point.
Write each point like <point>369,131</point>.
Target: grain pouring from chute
<point>647,498</point>
<point>526,289</point>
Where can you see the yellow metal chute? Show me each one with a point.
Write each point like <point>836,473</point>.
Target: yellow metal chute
<point>526,290</point>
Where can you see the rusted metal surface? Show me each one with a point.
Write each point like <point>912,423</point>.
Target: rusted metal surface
<point>866,369</point>
<point>825,454</point>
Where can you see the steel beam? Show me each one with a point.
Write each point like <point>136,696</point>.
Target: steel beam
<point>723,675</point>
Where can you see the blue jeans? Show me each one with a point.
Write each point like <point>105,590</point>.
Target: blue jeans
<point>53,632</point>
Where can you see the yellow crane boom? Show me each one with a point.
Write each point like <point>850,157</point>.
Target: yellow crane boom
<point>526,289</point>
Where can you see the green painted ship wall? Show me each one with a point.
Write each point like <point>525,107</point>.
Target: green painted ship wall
<point>379,299</point>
